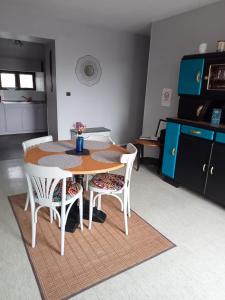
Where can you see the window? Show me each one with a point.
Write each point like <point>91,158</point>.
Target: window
<point>8,80</point>
<point>17,80</point>
<point>26,81</point>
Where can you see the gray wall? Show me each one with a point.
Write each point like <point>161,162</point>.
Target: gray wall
<point>27,58</point>
<point>19,64</point>
<point>117,101</point>
<point>50,80</point>
<point>170,40</point>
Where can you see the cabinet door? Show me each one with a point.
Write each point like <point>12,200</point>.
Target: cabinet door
<point>34,117</point>
<point>170,149</point>
<point>190,77</point>
<point>29,117</point>
<point>13,117</point>
<point>41,116</point>
<point>192,162</point>
<point>2,118</point>
<point>215,187</point>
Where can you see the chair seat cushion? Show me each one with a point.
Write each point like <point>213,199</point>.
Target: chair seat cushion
<point>72,189</point>
<point>107,181</point>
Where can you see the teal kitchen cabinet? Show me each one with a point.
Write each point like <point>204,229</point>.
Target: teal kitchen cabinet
<point>170,149</point>
<point>190,77</point>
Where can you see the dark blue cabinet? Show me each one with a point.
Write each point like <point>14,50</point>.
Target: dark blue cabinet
<point>190,77</point>
<point>192,162</point>
<point>194,157</point>
<point>170,149</point>
<point>216,175</point>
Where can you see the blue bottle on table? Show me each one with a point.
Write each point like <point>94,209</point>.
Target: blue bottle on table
<point>80,143</point>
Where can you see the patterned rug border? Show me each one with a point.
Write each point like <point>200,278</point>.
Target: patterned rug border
<point>99,282</point>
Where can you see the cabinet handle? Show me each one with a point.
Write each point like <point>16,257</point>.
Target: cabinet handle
<point>198,77</point>
<point>195,132</point>
<point>173,151</point>
<point>203,167</point>
<point>211,170</point>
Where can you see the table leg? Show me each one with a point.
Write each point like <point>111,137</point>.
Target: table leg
<point>139,155</point>
<point>141,151</point>
<point>73,219</point>
<point>79,179</point>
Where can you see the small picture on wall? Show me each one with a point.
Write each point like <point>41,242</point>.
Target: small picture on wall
<point>166,97</point>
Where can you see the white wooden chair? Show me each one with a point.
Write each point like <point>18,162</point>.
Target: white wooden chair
<point>48,187</point>
<point>113,184</point>
<point>31,143</point>
<point>98,138</point>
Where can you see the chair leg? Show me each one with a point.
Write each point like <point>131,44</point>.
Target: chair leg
<point>128,201</point>
<point>27,202</point>
<point>59,223</point>
<point>99,202</point>
<point>86,183</point>
<point>81,212</point>
<point>125,212</point>
<point>33,225</point>
<point>90,209</point>
<point>138,157</point>
<point>62,228</point>
<point>54,215</point>
<point>51,215</point>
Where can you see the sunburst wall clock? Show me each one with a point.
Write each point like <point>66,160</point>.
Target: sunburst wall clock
<point>88,70</point>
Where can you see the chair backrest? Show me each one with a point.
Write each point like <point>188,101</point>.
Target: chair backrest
<point>33,142</point>
<point>100,138</point>
<point>129,159</point>
<point>160,127</point>
<point>43,180</point>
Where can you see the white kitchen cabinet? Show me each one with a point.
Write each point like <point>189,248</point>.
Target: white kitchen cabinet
<point>24,117</point>
<point>29,117</point>
<point>13,118</point>
<point>92,132</point>
<point>40,81</point>
<point>2,118</point>
<point>41,116</point>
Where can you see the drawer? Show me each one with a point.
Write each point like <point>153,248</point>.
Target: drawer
<point>220,137</point>
<point>198,132</point>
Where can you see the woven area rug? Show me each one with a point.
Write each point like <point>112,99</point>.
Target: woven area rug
<point>90,256</point>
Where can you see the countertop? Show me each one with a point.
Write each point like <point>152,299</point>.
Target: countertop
<point>22,102</point>
<point>201,124</point>
<point>93,129</point>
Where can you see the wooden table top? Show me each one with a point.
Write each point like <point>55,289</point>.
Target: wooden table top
<point>88,165</point>
<point>147,143</point>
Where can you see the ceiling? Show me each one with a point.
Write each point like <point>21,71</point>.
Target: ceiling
<point>128,15</point>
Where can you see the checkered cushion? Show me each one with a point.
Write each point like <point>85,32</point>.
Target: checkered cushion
<point>108,181</point>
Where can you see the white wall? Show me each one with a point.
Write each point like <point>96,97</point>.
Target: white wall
<point>117,102</point>
<point>170,40</point>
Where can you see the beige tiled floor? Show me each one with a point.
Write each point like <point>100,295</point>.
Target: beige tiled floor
<point>193,270</point>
